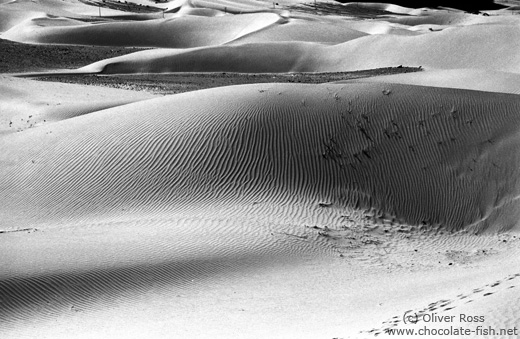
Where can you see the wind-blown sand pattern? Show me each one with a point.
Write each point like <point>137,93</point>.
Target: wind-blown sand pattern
<point>287,144</point>
<point>265,210</point>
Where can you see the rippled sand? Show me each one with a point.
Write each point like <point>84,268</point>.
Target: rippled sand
<point>264,210</point>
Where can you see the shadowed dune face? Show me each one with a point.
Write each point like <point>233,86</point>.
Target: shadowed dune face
<point>428,156</point>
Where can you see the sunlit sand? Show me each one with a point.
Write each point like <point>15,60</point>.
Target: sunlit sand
<point>341,209</point>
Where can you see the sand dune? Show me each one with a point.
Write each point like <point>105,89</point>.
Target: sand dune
<point>479,47</point>
<point>187,32</point>
<point>266,210</point>
<point>16,12</point>
<point>381,6</point>
<point>170,201</point>
<point>428,16</point>
<point>433,39</point>
<point>229,6</point>
<point>332,32</point>
<point>183,31</point>
<point>256,145</point>
<point>247,58</point>
<point>15,17</point>
<point>382,27</point>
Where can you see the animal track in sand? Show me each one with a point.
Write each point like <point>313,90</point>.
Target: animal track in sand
<point>444,305</point>
<point>381,242</point>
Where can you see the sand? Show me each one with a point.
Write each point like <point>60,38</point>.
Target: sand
<point>472,79</point>
<point>369,130</point>
<point>453,49</point>
<point>25,104</point>
<point>344,209</point>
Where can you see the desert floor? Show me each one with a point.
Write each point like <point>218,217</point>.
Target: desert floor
<point>250,169</point>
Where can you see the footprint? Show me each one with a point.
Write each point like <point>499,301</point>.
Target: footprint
<point>443,303</point>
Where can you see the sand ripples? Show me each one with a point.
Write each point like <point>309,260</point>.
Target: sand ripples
<point>422,154</point>
<point>198,191</point>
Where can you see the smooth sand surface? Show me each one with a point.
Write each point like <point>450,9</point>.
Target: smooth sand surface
<point>473,79</point>
<point>25,104</point>
<point>15,12</point>
<point>337,210</point>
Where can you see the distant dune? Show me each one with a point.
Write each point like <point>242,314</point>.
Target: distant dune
<point>454,48</point>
